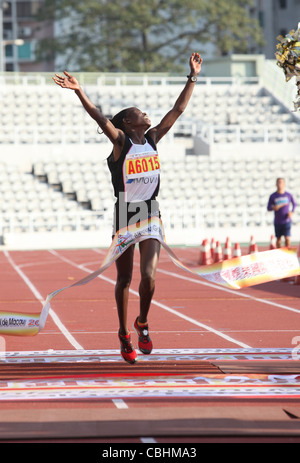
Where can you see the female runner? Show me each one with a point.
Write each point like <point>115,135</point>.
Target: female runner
<point>134,142</point>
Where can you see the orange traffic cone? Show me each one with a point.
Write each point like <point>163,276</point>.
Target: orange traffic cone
<point>297,278</point>
<point>237,250</point>
<point>273,242</point>
<point>205,256</point>
<point>227,250</point>
<point>253,246</point>
<point>218,255</point>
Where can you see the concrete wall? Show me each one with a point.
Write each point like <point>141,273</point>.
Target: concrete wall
<point>234,66</point>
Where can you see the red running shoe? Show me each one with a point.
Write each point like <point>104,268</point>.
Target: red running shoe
<point>145,343</point>
<point>128,352</point>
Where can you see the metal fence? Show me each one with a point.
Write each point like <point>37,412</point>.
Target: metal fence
<point>187,215</point>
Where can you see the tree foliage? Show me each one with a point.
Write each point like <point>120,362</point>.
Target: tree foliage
<point>145,36</point>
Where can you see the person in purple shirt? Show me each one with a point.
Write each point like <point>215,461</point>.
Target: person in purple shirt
<point>283,204</point>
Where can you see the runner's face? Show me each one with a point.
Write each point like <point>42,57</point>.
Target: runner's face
<point>138,118</point>
<point>280,184</point>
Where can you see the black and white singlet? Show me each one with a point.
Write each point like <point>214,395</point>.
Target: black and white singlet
<point>136,179</point>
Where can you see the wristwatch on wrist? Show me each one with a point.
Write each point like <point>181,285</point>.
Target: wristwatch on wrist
<point>193,78</point>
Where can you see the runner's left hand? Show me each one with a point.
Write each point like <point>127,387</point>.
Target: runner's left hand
<point>195,63</point>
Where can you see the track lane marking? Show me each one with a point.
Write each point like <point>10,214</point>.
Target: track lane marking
<point>158,304</point>
<point>239,295</point>
<point>40,298</point>
<point>148,440</point>
<point>227,290</point>
<point>120,404</point>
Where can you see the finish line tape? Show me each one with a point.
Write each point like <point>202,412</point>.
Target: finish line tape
<point>236,273</point>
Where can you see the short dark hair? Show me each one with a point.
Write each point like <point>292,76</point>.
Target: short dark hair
<point>117,120</point>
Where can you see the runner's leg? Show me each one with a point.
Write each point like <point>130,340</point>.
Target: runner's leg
<point>124,266</point>
<point>149,257</point>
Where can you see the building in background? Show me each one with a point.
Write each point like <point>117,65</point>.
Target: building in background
<point>20,33</point>
<point>275,17</point>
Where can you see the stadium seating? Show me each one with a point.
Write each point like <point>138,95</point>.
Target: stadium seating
<point>27,204</point>
<point>207,185</point>
<point>57,117</point>
<point>66,194</point>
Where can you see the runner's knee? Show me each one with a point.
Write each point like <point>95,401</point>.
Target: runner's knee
<point>124,281</point>
<point>148,282</point>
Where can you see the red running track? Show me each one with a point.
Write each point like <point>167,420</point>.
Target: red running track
<point>187,312</point>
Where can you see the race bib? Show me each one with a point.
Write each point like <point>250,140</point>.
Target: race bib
<point>142,165</point>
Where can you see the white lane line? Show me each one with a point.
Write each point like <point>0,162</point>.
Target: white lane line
<point>227,290</point>
<point>120,404</point>
<point>148,440</point>
<point>158,304</point>
<point>40,298</point>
